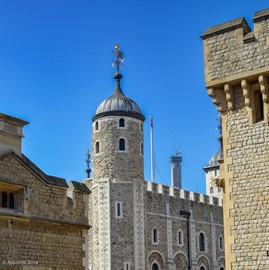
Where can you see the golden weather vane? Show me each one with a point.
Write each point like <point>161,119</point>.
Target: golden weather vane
<point>118,62</point>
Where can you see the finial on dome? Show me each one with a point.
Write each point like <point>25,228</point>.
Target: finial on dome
<point>118,62</point>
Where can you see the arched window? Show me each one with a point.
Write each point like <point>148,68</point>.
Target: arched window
<point>211,190</point>
<point>121,122</point>
<point>142,149</point>
<point>4,199</point>
<point>11,201</point>
<point>97,148</point>
<point>96,126</point>
<point>155,236</point>
<point>221,268</point>
<point>202,268</point>
<point>122,144</point>
<point>179,238</point>
<point>155,266</point>
<point>221,242</point>
<point>201,242</point>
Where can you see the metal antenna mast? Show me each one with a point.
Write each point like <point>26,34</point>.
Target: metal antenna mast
<point>88,161</point>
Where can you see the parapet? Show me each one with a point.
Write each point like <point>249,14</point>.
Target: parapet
<point>182,194</point>
<point>233,50</point>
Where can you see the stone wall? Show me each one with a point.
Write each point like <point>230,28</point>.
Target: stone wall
<point>236,69</point>
<point>47,228</point>
<point>162,211</point>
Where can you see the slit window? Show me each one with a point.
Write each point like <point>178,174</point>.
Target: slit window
<point>179,238</point>
<point>221,242</point>
<point>155,236</point>
<point>97,148</point>
<point>201,242</point>
<point>142,149</point>
<point>122,144</point>
<point>118,209</point>
<point>121,122</point>
<point>258,106</point>
<point>96,126</point>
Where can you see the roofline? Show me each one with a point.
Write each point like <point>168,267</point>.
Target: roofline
<point>136,115</point>
<point>13,119</point>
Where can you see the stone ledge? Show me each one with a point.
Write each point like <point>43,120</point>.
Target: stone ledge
<point>261,15</point>
<point>227,27</point>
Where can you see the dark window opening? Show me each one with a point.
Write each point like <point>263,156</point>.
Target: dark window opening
<point>155,266</point>
<point>96,126</point>
<point>201,242</point>
<point>118,209</point>
<point>155,236</point>
<point>180,238</point>
<point>122,122</point>
<point>221,242</point>
<point>97,148</point>
<point>11,201</point>
<point>122,145</point>
<point>142,149</point>
<point>258,105</point>
<point>202,268</point>
<point>4,199</point>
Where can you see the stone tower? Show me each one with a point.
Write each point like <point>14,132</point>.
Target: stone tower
<point>236,74</point>
<point>117,235</point>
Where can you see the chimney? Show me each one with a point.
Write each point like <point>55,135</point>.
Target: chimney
<point>176,180</point>
<point>11,134</point>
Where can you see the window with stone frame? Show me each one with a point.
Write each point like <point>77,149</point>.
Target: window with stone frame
<point>127,266</point>
<point>221,242</point>
<point>202,244</point>
<point>258,106</point>
<point>96,126</point>
<point>11,196</point>
<point>155,236</point>
<point>142,149</point>
<point>121,144</point>
<point>118,209</point>
<point>122,122</point>
<point>202,268</point>
<point>180,238</point>
<point>211,190</point>
<point>97,148</point>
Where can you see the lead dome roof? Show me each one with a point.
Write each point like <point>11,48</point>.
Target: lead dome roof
<point>119,104</point>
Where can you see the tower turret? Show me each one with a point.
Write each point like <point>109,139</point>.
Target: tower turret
<point>118,179</point>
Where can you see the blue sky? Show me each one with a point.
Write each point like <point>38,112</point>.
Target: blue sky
<point>55,69</point>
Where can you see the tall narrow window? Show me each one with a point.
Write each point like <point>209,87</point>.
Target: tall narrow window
<point>258,104</point>
<point>121,122</point>
<point>122,144</point>
<point>211,190</point>
<point>127,266</point>
<point>118,209</point>
<point>155,236</point>
<point>96,126</point>
<point>179,238</point>
<point>221,242</point>
<point>11,201</point>
<point>155,266</point>
<point>142,149</point>
<point>202,268</point>
<point>201,242</point>
<point>97,148</point>
<point>4,199</point>
<point>141,127</point>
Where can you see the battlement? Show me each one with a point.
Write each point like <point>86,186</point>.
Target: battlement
<point>182,194</point>
<point>233,50</point>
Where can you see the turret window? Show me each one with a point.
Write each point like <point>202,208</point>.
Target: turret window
<point>121,144</point>
<point>96,126</point>
<point>97,148</point>
<point>142,149</point>
<point>121,122</point>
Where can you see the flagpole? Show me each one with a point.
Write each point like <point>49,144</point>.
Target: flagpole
<point>151,149</point>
